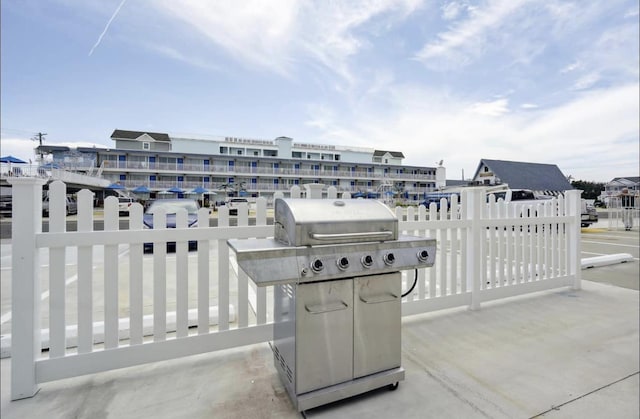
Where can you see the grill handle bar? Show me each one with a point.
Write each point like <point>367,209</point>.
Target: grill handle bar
<point>326,308</point>
<point>378,298</point>
<point>371,235</point>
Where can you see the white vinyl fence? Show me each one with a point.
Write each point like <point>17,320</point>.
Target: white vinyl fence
<point>116,307</point>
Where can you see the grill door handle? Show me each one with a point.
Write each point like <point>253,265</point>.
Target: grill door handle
<point>372,235</point>
<point>380,298</point>
<point>326,308</point>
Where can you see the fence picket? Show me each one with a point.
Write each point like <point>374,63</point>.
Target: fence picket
<point>57,255</point>
<point>433,216</point>
<point>223,272</point>
<point>204,273</point>
<point>491,242</point>
<point>111,223</point>
<point>422,214</point>
<point>453,254</point>
<point>159,278</point>
<point>443,244</point>
<point>501,250</point>
<point>182,278</point>
<point>243,278</point>
<point>135,278</point>
<point>85,274</point>
<point>261,292</point>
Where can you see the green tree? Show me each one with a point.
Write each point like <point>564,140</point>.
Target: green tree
<point>591,190</point>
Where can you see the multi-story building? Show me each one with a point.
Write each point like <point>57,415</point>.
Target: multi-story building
<point>251,167</point>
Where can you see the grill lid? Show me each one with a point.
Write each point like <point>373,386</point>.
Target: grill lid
<point>307,222</point>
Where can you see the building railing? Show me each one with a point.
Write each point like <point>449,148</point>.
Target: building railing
<point>484,252</point>
<point>213,169</point>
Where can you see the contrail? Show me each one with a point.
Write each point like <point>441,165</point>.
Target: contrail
<point>106,28</point>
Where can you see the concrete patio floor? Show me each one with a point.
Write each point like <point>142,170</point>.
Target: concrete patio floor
<point>556,354</point>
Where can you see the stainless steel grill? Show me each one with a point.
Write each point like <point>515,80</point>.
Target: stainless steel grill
<point>336,269</point>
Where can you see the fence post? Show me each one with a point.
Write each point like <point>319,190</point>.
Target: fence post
<point>473,198</point>
<point>574,248</point>
<point>314,190</point>
<point>26,222</point>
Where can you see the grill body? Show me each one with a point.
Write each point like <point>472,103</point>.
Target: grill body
<point>335,266</point>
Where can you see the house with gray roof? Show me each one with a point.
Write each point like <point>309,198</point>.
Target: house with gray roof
<point>622,188</point>
<point>139,140</point>
<point>543,179</point>
<point>387,157</point>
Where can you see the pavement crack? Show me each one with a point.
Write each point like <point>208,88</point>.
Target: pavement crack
<point>584,395</point>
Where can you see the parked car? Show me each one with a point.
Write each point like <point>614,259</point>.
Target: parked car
<point>435,197</point>
<point>70,202</point>
<point>234,203</point>
<point>6,205</point>
<point>588,215</point>
<point>124,204</point>
<point>171,207</point>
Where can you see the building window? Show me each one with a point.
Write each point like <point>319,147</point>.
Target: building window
<point>146,146</point>
<point>486,169</point>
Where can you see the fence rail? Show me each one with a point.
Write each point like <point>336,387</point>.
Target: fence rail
<point>200,302</point>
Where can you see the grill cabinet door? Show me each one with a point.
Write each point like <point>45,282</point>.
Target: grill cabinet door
<point>324,334</point>
<point>377,311</point>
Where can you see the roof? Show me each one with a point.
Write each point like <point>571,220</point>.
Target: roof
<point>52,148</point>
<point>632,179</point>
<point>134,135</point>
<point>380,153</point>
<point>454,182</point>
<point>523,175</point>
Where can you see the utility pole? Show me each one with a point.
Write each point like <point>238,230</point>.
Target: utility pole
<point>39,138</point>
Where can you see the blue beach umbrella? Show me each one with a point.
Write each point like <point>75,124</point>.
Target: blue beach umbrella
<point>199,189</point>
<point>11,159</point>
<point>141,189</point>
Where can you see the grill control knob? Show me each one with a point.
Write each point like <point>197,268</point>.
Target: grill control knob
<point>317,266</point>
<point>343,263</point>
<point>423,255</point>
<point>389,258</point>
<point>367,261</point>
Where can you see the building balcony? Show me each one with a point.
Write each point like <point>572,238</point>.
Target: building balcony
<point>213,170</point>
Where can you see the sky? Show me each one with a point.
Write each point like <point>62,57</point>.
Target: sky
<point>554,82</point>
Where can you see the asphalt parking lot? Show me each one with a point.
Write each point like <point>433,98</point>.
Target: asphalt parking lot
<point>598,241</point>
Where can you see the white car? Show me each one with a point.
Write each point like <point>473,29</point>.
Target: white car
<point>124,204</point>
<point>233,204</point>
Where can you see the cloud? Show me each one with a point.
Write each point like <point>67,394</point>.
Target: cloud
<point>452,10</point>
<point>582,135</point>
<point>493,108</point>
<point>571,67</point>
<point>282,37</point>
<point>18,147</point>
<point>529,106</point>
<point>586,81</point>
<point>466,39</point>
<point>633,12</point>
